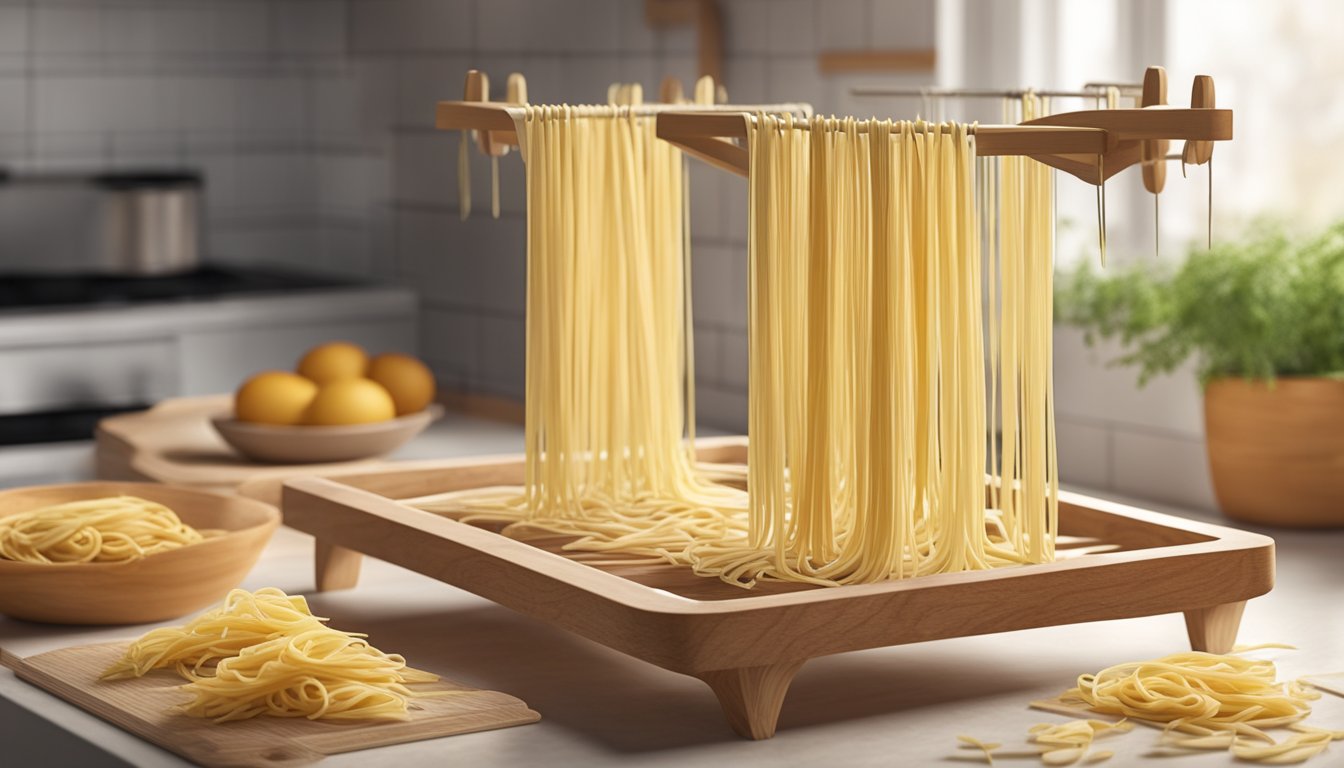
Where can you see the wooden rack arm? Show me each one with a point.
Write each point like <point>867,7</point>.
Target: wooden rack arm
<point>676,126</point>
<point>466,116</point>
<point>1149,123</point>
<point>720,153</point>
<point>1062,140</point>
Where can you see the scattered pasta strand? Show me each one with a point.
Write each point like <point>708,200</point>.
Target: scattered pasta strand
<point>115,529</point>
<point>1197,693</point>
<point>1200,701</point>
<point>971,742</point>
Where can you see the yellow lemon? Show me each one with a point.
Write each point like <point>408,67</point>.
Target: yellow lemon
<point>350,401</point>
<point>408,380</point>
<point>274,397</point>
<point>333,361</point>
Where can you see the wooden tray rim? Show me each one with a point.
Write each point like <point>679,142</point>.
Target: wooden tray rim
<point>631,594</point>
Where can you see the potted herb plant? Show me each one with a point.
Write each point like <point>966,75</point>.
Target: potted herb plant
<point>1263,316</point>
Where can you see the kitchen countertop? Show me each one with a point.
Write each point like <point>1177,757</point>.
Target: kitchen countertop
<point>890,706</point>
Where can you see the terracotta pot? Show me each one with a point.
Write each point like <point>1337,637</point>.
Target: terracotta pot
<point>1276,451</point>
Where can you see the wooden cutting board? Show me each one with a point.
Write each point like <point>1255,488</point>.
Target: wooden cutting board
<point>174,443</point>
<point>146,708</point>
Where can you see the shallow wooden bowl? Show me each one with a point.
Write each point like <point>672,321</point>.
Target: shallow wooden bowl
<point>313,445</point>
<point>161,586</point>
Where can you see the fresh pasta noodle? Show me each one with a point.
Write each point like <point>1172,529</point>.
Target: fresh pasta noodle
<point>1018,199</point>
<point>115,529</point>
<point>867,392</point>
<point>986,747</point>
<point>319,673</point>
<point>1201,701</point>
<point>867,415</point>
<point>1197,693</point>
<point>265,653</point>
<point>607,347</point>
<point>1068,743</point>
<point>242,620</point>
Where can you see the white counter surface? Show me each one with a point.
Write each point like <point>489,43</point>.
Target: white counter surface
<point>900,706</point>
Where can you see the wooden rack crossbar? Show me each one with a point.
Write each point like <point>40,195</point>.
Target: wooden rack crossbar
<point>498,120</point>
<point>1091,144</point>
<point>1089,91</point>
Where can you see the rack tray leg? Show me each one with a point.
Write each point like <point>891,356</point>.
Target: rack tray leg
<point>1214,629</point>
<point>752,696</point>
<point>337,567</point>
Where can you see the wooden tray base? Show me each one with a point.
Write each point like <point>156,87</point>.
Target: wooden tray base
<point>748,645</point>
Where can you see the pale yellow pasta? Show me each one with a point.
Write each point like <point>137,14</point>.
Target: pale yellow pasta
<point>866,356</point>
<point>1201,701</point>
<point>866,384</point>
<point>243,619</point>
<point>986,747</point>
<point>114,529</point>
<point>607,347</point>
<point>318,673</point>
<point>264,653</point>
<point>1202,694</point>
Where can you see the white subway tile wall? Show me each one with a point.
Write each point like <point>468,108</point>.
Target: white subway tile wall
<point>313,122</point>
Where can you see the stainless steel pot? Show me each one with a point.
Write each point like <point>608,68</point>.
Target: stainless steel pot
<point>141,223</point>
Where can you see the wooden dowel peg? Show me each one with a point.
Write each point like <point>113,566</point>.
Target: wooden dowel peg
<point>1201,97</point>
<point>477,88</point>
<point>670,90</point>
<point>1154,153</point>
<point>516,88</point>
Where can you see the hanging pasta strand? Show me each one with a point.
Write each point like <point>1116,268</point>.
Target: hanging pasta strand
<point>866,354</point>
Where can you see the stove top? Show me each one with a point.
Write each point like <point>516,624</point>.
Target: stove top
<point>25,291</point>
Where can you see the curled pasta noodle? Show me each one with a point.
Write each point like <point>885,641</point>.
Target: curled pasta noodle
<point>265,653</point>
<point>1201,694</point>
<point>319,673</point>
<point>1201,701</point>
<point>244,619</point>
<point>114,529</point>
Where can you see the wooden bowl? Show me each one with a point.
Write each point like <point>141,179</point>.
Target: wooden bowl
<point>161,586</point>
<point>313,445</point>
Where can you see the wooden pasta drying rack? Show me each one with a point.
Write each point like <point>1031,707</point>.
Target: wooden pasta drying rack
<point>1092,144</point>
<point>1114,561</point>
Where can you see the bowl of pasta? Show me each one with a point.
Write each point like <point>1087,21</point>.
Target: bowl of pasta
<point>124,553</point>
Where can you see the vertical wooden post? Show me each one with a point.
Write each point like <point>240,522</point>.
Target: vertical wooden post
<point>336,567</point>
<point>751,697</point>
<point>1214,629</point>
